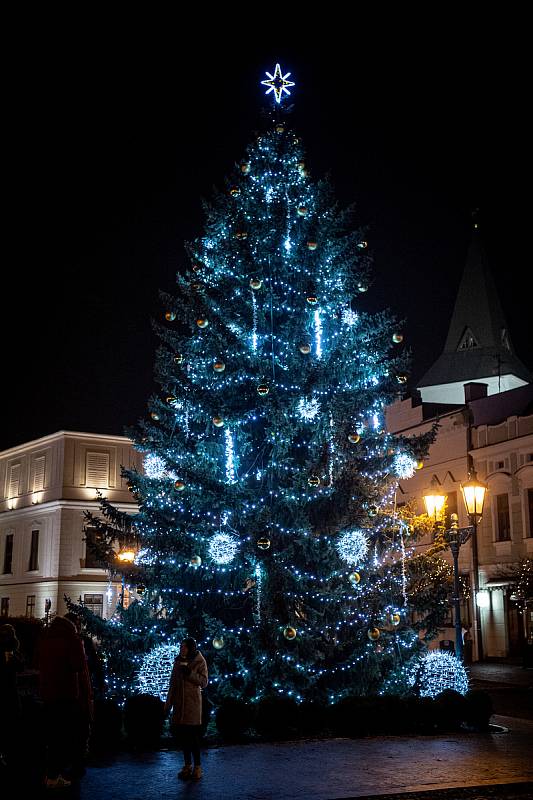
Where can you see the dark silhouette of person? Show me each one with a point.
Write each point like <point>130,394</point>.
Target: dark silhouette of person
<point>65,688</point>
<point>11,662</point>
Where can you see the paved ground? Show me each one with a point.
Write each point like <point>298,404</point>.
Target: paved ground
<point>322,770</point>
<point>510,687</point>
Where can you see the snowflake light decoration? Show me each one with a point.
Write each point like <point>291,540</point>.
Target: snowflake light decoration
<point>278,83</point>
<point>352,547</point>
<point>438,671</point>
<point>156,668</point>
<point>308,409</point>
<point>349,317</point>
<point>154,466</point>
<point>223,548</point>
<point>404,466</point>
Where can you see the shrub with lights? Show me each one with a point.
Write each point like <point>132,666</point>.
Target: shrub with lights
<point>267,524</point>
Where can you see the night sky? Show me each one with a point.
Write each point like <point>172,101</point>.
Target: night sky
<point>117,132</point>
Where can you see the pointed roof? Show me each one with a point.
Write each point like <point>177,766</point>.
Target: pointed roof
<point>478,345</point>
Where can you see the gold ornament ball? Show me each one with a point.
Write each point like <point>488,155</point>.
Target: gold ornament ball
<point>312,299</point>
<point>171,399</point>
<point>196,267</point>
<point>219,366</point>
<point>179,358</point>
<point>395,618</point>
<point>179,486</point>
<point>419,464</point>
<point>263,543</point>
<point>312,245</point>
<point>354,438</point>
<point>301,165</point>
<point>362,245</point>
<point>170,316</point>
<point>154,415</point>
<point>280,128</point>
<point>197,287</point>
<point>397,338</point>
<point>202,322</point>
<point>218,642</point>
<point>234,191</point>
<point>401,378</point>
<point>373,634</point>
<point>256,283</point>
<point>241,235</point>
<point>218,422</point>
<point>372,511</point>
<point>305,348</point>
<point>289,633</point>
<point>245,168</point>
<point>263,389</point>
<point>313,480</point>
<point>354,578</point>
<point>362,287</point>
<point>195,561</point>
<point>302,211</point>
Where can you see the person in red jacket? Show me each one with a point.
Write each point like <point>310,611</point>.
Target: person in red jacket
<point>65,688</point>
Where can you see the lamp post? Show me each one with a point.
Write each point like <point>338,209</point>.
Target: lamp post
<point>455,537</point>
<point>474,492</point>
<point>126,557</point>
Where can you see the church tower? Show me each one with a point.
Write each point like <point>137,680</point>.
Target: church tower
<point>478,347</point>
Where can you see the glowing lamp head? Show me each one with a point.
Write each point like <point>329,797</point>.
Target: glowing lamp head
<point>126,555</point>
<point>434,500</point>
<point>474,492</point>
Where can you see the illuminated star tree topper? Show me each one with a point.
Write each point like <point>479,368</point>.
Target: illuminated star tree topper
<point>278,83</point>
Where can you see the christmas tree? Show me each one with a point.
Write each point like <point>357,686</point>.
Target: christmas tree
<point>267,525</point>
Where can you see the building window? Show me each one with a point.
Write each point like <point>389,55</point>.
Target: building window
<point>500,464</point>
<point>92,537</point>
<point>503,521</point>
<point>95,603</point>
<point>4,607</point>
<point>30,605</point>
<point>34,552</point>
<point>13,485</point>
<point>530,509</point>
<point>8,554</point>
<point>97,470</point>
<point>468,340</point>
<point>38,473</point>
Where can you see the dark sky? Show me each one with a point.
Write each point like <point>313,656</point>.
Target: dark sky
<point>117,130</point>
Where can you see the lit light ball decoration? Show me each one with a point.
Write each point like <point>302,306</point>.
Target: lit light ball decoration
<point>404,466</point>
<point>223,548</point>
<point>156,668</point>
<point>308,408</point>
<point>352,547</point>
<point>438,671</point>
<point>154,466</point>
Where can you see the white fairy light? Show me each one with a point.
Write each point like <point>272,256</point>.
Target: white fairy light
<point>223,548</point>
<point>404,466</point>
<point>254,330</point>
<point>259,587</point>
<point>352,547</point>
<point>230,461</point>
<point>318,334</point>
<point>308,409</point>
<point>156,668</point>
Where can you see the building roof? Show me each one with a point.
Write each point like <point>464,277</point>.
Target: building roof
<point>478,344</point>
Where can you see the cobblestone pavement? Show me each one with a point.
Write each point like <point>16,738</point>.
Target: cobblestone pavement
<point>325,770</point>
<point>504,674</point>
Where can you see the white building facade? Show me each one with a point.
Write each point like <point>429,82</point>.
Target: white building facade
<point>45,487</point>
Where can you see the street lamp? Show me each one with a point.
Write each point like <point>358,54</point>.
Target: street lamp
<point>434,500</point>
<point>474,492</point>
<point>126,556</point>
